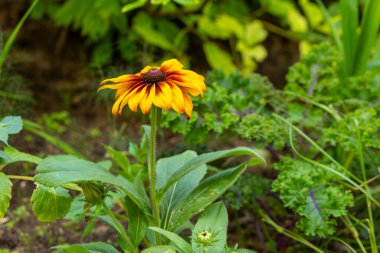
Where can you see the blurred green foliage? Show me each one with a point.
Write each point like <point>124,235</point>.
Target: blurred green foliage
<point>231,32</point>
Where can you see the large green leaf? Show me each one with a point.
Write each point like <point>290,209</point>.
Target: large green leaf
<point>50,204</point>
<point>208,191</point>
<point>165,168</point>
<point>92,247</point>
<point>5,193</point>
<point>138,223</point>
<point>181,244</point>
<point>12,155</point>
<point>214,219</point>
<point>204,159</point>
<point>57,170</point>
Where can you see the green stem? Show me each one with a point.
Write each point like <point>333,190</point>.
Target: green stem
<point>27,178</point>
<point>372,235</point>
<point>354,232</point>
<point>152,169</point>
<point>122,232</point>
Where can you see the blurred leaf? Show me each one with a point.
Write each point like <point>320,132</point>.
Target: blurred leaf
<point>143,25</point>
<point>133,5</point>
<point>218,58</point>
<point>187,2</point>
<point>13,155</point>
<point>50,204</point>
<point>5,193</point>
<point>102,53</point>
<point>9,125</point>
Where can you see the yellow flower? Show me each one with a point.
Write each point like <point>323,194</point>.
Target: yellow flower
<point>165,87</point>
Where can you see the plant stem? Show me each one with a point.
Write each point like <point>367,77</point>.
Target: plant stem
<point>372,235</point>
<point>67,186</point>
<point>122,232</point>
<point>152,169</point>
<point>346,220</point>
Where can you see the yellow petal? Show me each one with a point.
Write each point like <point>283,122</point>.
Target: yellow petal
<point>147,100</point>
<point>178,102</point>
<point>171,65</point>
<point>188,105</point>
<point>146,69</point>
<point>116,105</point>
<point>163,98</point>
<point>131,92</point>
<point>133,101</point>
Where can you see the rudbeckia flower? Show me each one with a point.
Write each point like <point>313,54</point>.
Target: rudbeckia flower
<point>167,86</point>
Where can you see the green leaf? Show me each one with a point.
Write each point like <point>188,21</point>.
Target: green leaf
<point>143,25</point>
<point>368,34</point>
<point>13,155</point>
<point>208,191</point>
<point>160,249</point>
<point>92,247</point>
<point>50,204</point>
<point>204,159</point>
<point>9,125</point>
<point>166,167</point>
<point>118,157</point>
<point>57,170</point>
<point>214,219</point>
<point>121,240</point>
<point>133,5</point>
<point>181,244</point>
<point>218,58</point>
<point>5,193</point>
<point>138,223</point>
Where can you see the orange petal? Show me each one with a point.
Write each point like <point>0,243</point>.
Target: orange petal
<point>147,100</point>
<point>119,79</point>
<point>188,105</point>
<point>178,102</point>
<point>163,98</point>
<point>171,65</point>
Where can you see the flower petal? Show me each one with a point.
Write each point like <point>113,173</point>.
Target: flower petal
<point>147,100</point>
<point>163,98</point>
<point>188,105</point>
<point>133,101</point>
<point>178,102</point>
<point>122,79</point>
<point>171,65</point>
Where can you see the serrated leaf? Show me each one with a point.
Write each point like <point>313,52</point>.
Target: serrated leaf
<point>50,204</point>
<point>208,191</point>
<point>181,244</point>
<point>214,219</point>
<point>5,193</point>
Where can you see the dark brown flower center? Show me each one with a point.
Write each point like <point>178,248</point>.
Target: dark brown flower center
<point>153,76</point>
